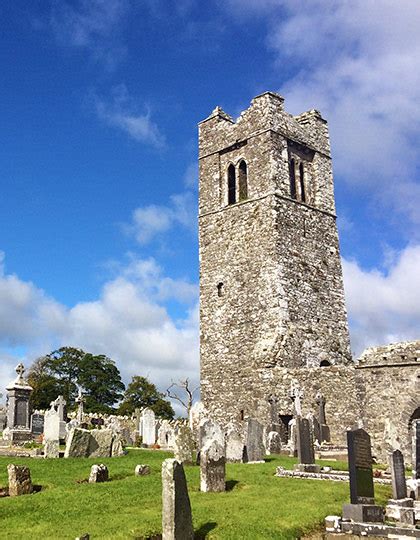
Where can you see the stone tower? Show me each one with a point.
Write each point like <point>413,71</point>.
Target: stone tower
<point>271,290</point>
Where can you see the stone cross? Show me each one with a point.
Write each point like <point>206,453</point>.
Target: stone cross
<point>60,403</point>
<point>20,370</point>
<point>320,400</point>
<point>80,400</point>
<point>296,394</point>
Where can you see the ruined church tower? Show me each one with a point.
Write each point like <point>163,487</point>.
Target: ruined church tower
<point>271,289</point>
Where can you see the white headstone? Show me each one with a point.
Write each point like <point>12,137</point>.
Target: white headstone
<point>52,425</point>
<point>148,426</point>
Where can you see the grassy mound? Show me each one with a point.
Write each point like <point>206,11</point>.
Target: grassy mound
<point>256,505</point>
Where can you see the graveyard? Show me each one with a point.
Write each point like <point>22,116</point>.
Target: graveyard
<point>256,505</point>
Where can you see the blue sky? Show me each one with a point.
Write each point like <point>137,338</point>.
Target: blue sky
<point>99,105</point>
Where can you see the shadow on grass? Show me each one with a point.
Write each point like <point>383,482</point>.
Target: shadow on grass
<point>203,531</point>
<point>230,484</point>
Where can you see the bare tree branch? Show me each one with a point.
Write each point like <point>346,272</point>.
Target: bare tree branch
<point>184,386</point>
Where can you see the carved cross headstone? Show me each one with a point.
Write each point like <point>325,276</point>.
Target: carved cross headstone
<point>80,400</point>
<point>320,400</point>
<point>20,370</point>
<point>296,394</point>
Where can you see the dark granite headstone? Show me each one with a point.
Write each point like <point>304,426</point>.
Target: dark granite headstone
<point>305,447</point>
<point>21,413</point>
<point>360,467</point>
<point>399,486</point>
<point>37,424</point>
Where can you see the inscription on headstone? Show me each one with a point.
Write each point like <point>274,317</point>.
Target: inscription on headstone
<point>399,486</point>
<point>21,413</point>
<point>360,467</point>
<point>37,424</point>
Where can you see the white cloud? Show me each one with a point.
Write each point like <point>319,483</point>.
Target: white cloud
<point>384,307</point>
<point>93,25</point>
<point>122,112</point>
<point>128,322</point>
<point>153,220</point>
<point>357,62</point>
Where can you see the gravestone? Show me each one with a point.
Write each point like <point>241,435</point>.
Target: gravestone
<point>176,508</point>
<point>399,485</point>
<point>362,506</point>
<point>273,443</point>
<point>400,508</point>
<point>212,467</point>
<point>166,434</point>
<point>51,449</point>
<point>416,448</point>
<point>80,400</point>
<point>52,424</point>
<point>234,446</point>
<point>254,447</point>
<point>148,427</point>
<point>305,447</point>
<point>18,413</point>
<point>98,473</point>
<point>20,482</point>
<point>324,430</point>
<point>210,431</point>
<point>142,470</point>
<point>37,424</point>
<point>184,446</point>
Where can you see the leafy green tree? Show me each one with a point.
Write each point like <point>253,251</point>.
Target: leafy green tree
<point>63,370</point>
<point>142,393</point>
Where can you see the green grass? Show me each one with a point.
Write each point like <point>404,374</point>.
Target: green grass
<point>256,505</point>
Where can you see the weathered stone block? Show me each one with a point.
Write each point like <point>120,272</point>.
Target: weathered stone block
<point>98,473</point>
<point>176,508</point>
<point>212,467</point>
<point>20,482</point>
<point>142,470</point>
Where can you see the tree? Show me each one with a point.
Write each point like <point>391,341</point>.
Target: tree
<point>63,370</point>
<point>183,386</point>
<point>142,393</point>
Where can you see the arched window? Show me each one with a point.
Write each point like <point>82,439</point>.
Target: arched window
<point>292,179</point>
<point>243,181</point>
<point>302,182</point>
<point>325,363</point>
<point>231,185</point>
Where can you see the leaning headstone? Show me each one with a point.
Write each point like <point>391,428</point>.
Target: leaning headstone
<point>212,467</point>
<point>176,508</point>
<point>117,447</point>
<point>142,470</point>
<point>362,506</point>
<point>400,508</point>
<point>98,473</point>
<point>273,443</point>
<point>254,447</point>
<point>20,482</point>
<point>234,446</point>
<point>184,447</point>
<point>51,449</point>
<point>100,444</point>
<point>305,446</point>
<point>77,444</point>
<point>148,427</point>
